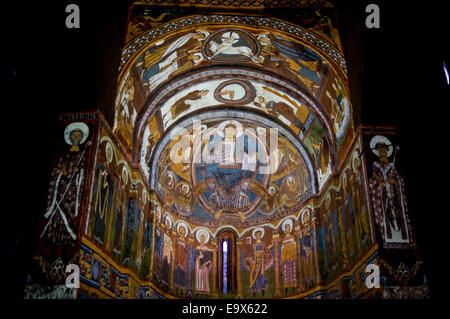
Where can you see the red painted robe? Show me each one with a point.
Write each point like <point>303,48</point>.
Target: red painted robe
<point>387,191</point>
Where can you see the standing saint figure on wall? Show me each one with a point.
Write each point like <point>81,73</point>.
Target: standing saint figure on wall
<point>259,263</point>
<point>140,235</point>
<point>329,236</point>
<point>388,196</point>
<point>288,257</point>
<point>131,221</point>
<point>203,263</point>
<point>202,269</point>
<point>181,257</point>
<point>121,207</point>
<point>167,255</point>
<point>66,184</point>
<point>101,203</point>
<point>306,257</point>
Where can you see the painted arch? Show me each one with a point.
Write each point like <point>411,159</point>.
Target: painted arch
<point>273,173</point>
<point>276,72</point>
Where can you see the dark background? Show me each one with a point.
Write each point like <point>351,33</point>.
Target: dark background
<point>396,78</point>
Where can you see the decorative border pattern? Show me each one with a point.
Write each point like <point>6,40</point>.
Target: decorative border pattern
<point>322,45</point>
<point>254,4</point>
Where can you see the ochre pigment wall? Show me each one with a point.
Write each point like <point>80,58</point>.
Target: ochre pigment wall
<point>128,246</point>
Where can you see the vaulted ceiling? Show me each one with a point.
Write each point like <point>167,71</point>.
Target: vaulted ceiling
<point>255,73</point>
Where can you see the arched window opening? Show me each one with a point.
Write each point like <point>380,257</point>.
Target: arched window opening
<point>227,262</point>
<point>224,267</point>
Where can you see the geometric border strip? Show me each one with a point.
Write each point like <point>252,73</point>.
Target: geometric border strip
<point>324,46</point>
<point>254,4</point>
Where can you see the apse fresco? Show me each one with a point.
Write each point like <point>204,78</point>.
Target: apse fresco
<point>345,230</point>
<point>119,218</point>
<point>266,259</point>
<point>133,244</point>
<point>285,258</point>
<point>231,170</point>
<point>268,52</point>
<point>174,55</point>
<point>130,229</point>
<point>238,93</point>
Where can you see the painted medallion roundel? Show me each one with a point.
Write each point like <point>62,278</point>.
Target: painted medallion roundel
<point>235,92</point>
<point>231,45</point>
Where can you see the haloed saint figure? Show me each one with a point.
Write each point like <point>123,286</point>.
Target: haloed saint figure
<point>203,263</point>
<point>388,195</point>
<point>288,257</point>
<point>67,180</point>
<point>259,263</point>
<point>203,266</point>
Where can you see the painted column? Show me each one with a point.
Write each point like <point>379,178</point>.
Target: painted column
<point>108,230</point>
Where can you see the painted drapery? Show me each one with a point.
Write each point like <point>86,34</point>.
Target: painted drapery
<point>237,124</point>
